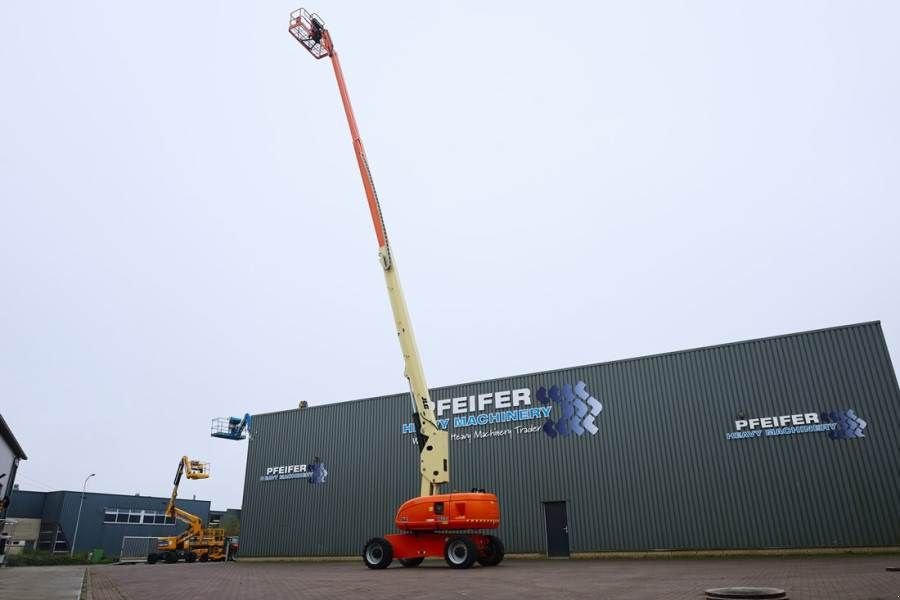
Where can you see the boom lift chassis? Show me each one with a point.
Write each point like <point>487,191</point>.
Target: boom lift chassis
<point>436,524</point>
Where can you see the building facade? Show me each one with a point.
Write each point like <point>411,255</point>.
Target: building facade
<point>10,455</point>
<point>783,442</point>
<point>228,519</point>
<point>46,520</point>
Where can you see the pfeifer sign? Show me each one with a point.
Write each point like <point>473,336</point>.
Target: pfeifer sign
<point>314,472</point>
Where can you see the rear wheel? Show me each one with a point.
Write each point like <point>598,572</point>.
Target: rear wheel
<point>412,562</point>
<point>170,557</point>
<point>460,552</point>
<point>204,557</point>
<point>378,553</point>
<point>190,557</point>
<point>493,552</point>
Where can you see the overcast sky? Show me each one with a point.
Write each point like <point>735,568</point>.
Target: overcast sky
<point>183,232</point>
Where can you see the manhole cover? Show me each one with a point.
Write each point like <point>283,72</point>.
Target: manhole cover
<point>746,593</point>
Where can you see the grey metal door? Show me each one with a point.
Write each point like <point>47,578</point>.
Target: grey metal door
<point>557,529</point>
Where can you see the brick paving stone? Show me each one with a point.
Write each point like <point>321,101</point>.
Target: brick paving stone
<point>852,578</point>
<point>102,587</point>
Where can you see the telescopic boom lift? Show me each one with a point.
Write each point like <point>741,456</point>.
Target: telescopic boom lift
<point>195,542</point>
<point>435,523</point>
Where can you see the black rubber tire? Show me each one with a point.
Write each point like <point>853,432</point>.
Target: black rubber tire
<point>493,553</point>
<point>170,557</point>
<point>204,557</point>
<point>152,558</point>
<point>460,552</point>
<point>190,557</point>
<point>412,562</point>
<point>378,553</point>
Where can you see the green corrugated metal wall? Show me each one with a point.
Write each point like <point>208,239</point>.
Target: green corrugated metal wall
<point>659,474</point>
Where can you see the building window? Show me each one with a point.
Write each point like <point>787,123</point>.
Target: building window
<point>136,516</point>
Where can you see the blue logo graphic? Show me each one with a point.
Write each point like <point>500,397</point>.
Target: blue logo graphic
<point>579,409</point>
<point>849,425</point>
<point>318,473</point>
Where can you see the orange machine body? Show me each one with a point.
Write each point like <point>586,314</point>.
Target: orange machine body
<point>449,512</point>
<point>430,544</point>
<point>429,522</point>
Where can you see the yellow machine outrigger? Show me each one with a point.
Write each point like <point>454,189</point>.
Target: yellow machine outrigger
<point>196,542</point>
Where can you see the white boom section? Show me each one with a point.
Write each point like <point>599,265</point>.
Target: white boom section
<point>434,448</point>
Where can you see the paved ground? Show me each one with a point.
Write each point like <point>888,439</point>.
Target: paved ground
<point>41,583</point>
<point>862,578</point>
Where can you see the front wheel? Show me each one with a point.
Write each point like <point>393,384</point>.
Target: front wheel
<point>460,552</point>
<point>493,552</point>
<point>378,553</point>
<point>412,562</point>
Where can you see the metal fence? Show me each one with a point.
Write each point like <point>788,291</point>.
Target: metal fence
<point>136,549</point>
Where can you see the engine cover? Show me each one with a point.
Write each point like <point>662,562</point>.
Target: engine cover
<point>455,511</point>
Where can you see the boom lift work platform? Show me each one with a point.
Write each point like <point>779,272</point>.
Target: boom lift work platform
<point>231,428</point>
<point>436,524</point>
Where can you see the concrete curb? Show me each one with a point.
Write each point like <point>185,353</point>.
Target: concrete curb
<point>318,559</point>
<point>85,592</point>
<point>657,554</point>
<point>723,554</point>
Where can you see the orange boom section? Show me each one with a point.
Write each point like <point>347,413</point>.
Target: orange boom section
<point>466,510</point>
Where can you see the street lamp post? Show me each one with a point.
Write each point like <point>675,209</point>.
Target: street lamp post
<point>78,518</point>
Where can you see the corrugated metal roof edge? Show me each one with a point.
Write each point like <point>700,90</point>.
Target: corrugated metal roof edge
<point>166,498</point>
<point>7,435</point>
<point>609,362</point>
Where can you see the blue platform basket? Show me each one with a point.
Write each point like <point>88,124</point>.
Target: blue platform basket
<point>230,428</point>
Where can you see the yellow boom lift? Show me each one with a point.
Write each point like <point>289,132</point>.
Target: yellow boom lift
<point>196,542</point>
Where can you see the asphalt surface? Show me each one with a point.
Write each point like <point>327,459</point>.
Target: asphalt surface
<point>41,583</point>
<point>862,578</point>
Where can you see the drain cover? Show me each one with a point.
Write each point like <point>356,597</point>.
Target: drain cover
<point>746,593</point>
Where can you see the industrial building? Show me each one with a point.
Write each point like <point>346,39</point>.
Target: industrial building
<point>10,455</point>
<point>225,518</point>
<point>781,442</point>
<point>46,520</point>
